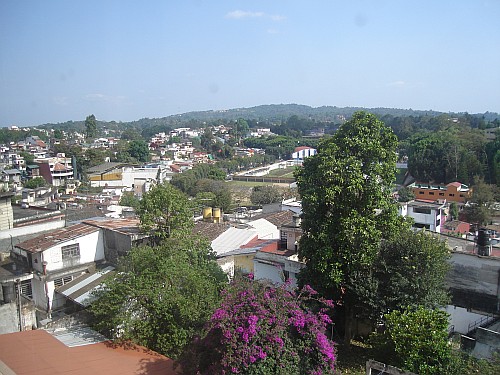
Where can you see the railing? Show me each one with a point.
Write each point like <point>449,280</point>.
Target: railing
<point>483,321</point>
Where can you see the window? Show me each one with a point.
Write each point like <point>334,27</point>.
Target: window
<point>422,210</point>
<point>431,193</point>
<point>421,192</point>
<point>451,195</point>
<point>71,251</point>
<point>441,194</point>
<point>26,289</point>
<point>62,280</point>
<point>438,222</point>
<point>462,196</point>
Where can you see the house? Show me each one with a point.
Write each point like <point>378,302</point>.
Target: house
<point>128,175</point>
<point>452,192</point>
<point>56,170</point>
<point>76,351</point>
<point>425,214</point>
<point>236,245</point>
<point>280,263</point>
<point>56,258</point>
<point>302,152</point>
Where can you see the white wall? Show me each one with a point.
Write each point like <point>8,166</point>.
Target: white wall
<point>270,272</point>
<point>91,250</point>
<point>460,318</point>
<point>31,229</point>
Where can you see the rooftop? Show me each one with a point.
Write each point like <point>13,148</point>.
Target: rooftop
<point>38,352</point>
<point>124,226</point>
<point>53,238</point>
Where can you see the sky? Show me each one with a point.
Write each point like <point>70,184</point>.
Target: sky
<point>126,60</point>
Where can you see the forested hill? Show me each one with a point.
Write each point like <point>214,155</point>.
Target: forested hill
<point>267,113</point>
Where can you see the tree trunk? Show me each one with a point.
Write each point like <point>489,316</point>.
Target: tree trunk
<point>347,325</point>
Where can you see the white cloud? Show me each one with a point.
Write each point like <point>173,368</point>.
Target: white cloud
<point>397,83</point>
<point>240,14</point>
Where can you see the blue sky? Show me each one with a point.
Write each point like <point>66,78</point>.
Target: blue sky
<point>126,60</point>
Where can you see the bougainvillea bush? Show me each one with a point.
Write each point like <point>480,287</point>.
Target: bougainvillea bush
<point>265,329</point>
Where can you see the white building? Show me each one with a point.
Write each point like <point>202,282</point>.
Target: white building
<point>425,215</point>
<point>58,257</point>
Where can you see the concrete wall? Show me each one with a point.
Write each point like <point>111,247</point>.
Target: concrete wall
<point>91,250</point>
<point>9,317</point>
<point>475,281</point>
<point>6,217</point>
<point>460,318</point>
<point>31,229</point>
<point>487,343</point>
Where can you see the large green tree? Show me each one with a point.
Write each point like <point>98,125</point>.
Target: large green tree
<point>162,296</point>
<point>410,270</point>
<point>265,195</point>
<point>139,150</point>
<point>347,209</point>
<point>416,340</point>
<point>90,126</point>
<point>165,212</point>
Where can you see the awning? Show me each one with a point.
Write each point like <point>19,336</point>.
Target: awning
<point>80,289</point>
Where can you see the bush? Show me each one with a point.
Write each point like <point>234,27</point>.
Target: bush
<point>264,329</point>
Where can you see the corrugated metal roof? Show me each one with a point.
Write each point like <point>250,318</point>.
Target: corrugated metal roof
<point>56,237</point>
<point>232,239</point>
<point>265,229</point>
<point>125,226</point>
<point>80,289</point>
<point>77,336</point>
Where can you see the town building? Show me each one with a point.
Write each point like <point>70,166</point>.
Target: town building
<point>452,192</point>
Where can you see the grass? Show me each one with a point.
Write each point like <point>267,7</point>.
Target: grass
<point>287,172</point>
<point>352,361</point>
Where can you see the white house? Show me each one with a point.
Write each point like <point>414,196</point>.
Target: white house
<point>303,152</point>
<point>56,258</point>
<point>425,215</point>
<point>281,263</point>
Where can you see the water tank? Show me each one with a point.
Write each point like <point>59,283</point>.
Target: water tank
<point>207,213</point>
<point>483,242</point>
<point>217,215</point>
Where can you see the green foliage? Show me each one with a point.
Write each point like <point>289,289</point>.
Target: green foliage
<point>347,209</point>
<point>265,195</point>
<point>35,182</point>
<point>454,210</point>
<point>165,212</point>
<point>58,134</point>
<point>264,329</point>
<point>139,150</point>
<point>90,126</point>
<point>405,194</point>
<point>162,296</point>
<point>416,341</point>
<point>205,178</point>
<point>479,209</point>
<point>130,200</point>
<point>29,158</point>
<point>410,270</point>
<point>451,154</point>
<point>279,146</point>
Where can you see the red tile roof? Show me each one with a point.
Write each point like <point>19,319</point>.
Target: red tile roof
<point>38,352</point>
<point>300,148</point>
<point>53,238</point>
<point>59,167</point>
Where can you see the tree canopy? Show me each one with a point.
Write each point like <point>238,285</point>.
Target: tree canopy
<point>347,208</point>
<point>90,126</point>
<point>416,340</point>
<point>161,296</point>
<point>165,212</point>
